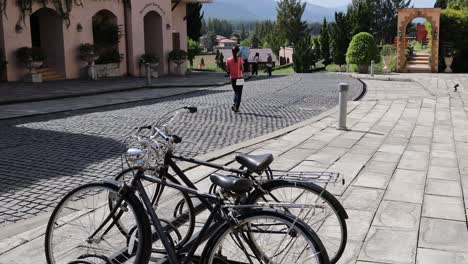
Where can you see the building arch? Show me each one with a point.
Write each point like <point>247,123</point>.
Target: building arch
<point>153,35</point>
<point>405,16</point>
<point>47,33</point>
<point>106,33</point>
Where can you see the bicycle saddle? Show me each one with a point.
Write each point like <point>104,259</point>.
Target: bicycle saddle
<point>255,163</point>
<point>232,183</point>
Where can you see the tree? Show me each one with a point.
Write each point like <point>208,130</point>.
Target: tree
<point>457,4</point>
<point>303,57</point>
<point>208,41</point>
<point>325,42</point>
<point>378,17</point>
<point>441,4</point>
<point>194,20</point>
<point>220,60</point>
<point>341,38</point>
<point>243,34</point>
<point>289,22</point>
<point>193,50</point>
<point>360,16</point>
<point>317,48</point>
<point>274,42</point>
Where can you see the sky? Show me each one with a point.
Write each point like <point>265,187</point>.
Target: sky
<point>334,3</point>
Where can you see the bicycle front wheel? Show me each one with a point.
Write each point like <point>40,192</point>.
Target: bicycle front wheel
<point>83,229</point>
<point>265,236</point>
<point>174,208</point>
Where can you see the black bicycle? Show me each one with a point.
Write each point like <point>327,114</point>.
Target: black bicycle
<point>324,213</point>
<point>106,222</point>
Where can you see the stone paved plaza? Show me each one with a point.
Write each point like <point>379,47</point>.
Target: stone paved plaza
<point>405,164</point>
<point>44,157</point>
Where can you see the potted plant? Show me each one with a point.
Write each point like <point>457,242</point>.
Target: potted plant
<point>362,50</point>
<point>31,58</point>
<point>388,51</point>
<point>178,57</point>
<point>89,54</point>
<point>153,61</point>
<point>108,64</point>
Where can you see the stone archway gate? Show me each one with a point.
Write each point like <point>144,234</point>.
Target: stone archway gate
<point>405,16</point>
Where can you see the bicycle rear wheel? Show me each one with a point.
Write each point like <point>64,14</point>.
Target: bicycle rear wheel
<point>265,236</point>
<point>82,228</point>
<point>327,217</point>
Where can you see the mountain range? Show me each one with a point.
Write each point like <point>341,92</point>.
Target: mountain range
<point>251,10</point>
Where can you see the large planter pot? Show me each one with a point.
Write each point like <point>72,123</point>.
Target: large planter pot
<point>387,62</point>
<point>154,70</point>
<point>178,67</point>
<point>108,70</point>
<point>33,76</point>
<point>448,63</point>
<point>363,68</point>
<point>90,58</point>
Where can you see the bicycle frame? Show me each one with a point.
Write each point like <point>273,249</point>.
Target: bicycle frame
<point>209,227</point>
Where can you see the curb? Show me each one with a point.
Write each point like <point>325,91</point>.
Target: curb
<point>382,78</point>
<point>98,106</point>
<point>364,90</point>
<point>39,99</point>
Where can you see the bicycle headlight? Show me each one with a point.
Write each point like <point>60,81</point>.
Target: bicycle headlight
<point>135,154</point>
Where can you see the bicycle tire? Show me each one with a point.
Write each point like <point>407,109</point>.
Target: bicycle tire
<point>77,210</point>
<point>184,210</point>
<point>289,230</point>
<point>335,245</point>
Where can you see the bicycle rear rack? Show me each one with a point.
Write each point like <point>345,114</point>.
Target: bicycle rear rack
<point>305,176</point>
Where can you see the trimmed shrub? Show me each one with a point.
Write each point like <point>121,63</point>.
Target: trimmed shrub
<point>362,50</point>
<point>453,30</point>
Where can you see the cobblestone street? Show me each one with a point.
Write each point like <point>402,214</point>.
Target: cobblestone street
<point>44,157</point>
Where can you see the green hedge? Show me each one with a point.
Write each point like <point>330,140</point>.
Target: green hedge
<point>454,32</point>
<point>362,49</point>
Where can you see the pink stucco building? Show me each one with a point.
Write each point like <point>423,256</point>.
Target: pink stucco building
<point>148,26</point>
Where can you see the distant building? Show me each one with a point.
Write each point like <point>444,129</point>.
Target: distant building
<point>286,55</point>
<point>262,52</point>
<point>226,44</point>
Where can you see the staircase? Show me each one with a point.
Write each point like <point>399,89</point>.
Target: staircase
<point>49,74</point>
<point>418,63</point>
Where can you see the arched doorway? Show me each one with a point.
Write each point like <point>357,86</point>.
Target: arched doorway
<point>47,33</point>
<point>405,17</point>
<point>106,37</point>
<point>153,35</point>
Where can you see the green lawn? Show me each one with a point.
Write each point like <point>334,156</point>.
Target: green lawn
<point>288,70</point>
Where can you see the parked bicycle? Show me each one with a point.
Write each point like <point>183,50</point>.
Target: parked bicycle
<point>325,215</point>
<point>107,222</point>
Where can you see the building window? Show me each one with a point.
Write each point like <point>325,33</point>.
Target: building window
<point>176,40</point>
